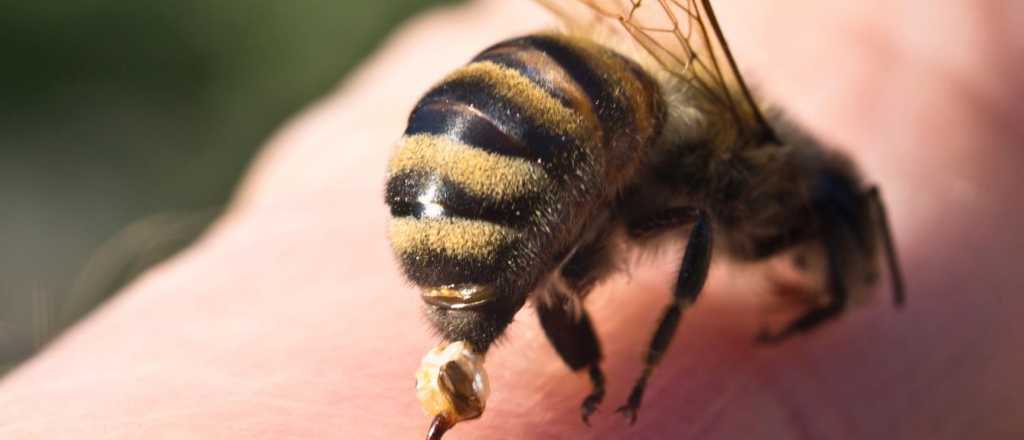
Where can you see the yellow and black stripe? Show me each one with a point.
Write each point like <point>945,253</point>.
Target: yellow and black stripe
<point>506,158</point>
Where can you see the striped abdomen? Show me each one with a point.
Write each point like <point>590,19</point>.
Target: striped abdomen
<point>506,159</point>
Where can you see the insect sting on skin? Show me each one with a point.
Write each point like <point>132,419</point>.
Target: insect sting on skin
<point>522,175</point>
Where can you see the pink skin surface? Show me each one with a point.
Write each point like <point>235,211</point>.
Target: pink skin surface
<point>290,319</point>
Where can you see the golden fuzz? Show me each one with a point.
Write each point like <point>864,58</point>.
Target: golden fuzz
<point>519,90</point>
<point>479,172</point>
<point>622,80</point>
<point>451,236</point>
<point>559,79</point>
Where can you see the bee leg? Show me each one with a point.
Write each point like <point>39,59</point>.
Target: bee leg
<point>837,288</point>
<point>692,274</point>
<point>882,219</point>
<point>569,329</point>
<point>574,339</point>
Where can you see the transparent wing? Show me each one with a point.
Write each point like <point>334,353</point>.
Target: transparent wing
<point>683,36</point>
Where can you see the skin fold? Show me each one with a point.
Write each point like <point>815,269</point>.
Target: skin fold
<point>289,319</point>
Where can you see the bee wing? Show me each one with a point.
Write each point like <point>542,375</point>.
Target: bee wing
<point>682,36</point>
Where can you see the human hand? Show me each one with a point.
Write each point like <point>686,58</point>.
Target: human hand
<point>290,319</point>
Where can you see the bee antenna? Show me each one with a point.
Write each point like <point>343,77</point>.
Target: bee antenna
<point>898,295</point>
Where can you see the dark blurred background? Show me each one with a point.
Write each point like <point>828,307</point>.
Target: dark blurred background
<point>125,125</point>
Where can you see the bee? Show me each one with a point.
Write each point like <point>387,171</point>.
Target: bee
<point>523,174</point>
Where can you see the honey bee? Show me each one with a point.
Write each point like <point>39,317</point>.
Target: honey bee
<point>523,174</point>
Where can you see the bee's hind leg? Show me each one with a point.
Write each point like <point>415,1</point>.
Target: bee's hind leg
<point>574,339</point>
<point>692,274</point>
<point>567,324</point>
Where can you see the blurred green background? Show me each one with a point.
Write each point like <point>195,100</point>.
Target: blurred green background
<point>125,125</point>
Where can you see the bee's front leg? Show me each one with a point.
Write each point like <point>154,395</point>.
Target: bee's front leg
<point>837,291</point>
<point>837,233</point>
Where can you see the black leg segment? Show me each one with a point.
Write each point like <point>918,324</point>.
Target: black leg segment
<point>570,331</point>
<point>574,339</point>
<point>838,228</point>
<point>834,242</point>
<point>692,274</point>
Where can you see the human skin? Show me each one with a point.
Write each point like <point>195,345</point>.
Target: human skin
<point>289,319</point>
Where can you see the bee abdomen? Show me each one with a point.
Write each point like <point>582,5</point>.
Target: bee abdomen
<point>523,141</point>
<point>440,251</point>
<point>459,212</point>
<point>625,102</point>
<point>420,194</point>
<point>497,109</point>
